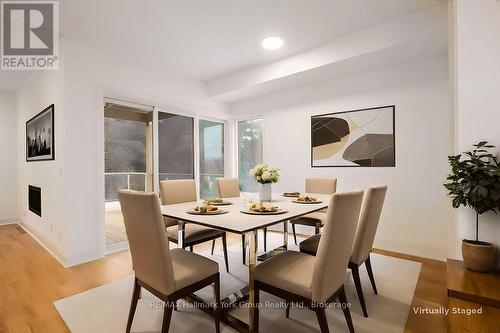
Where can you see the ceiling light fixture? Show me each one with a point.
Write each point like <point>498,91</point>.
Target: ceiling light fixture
<point>272,43</point>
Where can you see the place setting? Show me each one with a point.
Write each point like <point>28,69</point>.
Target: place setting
<point>208,207</point>
<point>218,202</point>
<point>306,199</point>
<point>262,208</point>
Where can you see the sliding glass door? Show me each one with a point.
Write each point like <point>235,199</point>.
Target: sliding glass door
<point>211,144</point>
<point>127,162</point>
<point>175,146</point>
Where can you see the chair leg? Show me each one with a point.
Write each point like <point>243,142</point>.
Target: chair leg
<point>256,310</point>
<point>287,310</point>
<point>345,309</point>
<point>265,239</point>
<point>359,289</point>
<point>191,248</point>
<point>133,305</point>
<point>368,265</point>
<point>217,308</point>
<point>167,315</point>
<point>213,247</point>
<point>294,234</point>
<point>224,248</point>
<point>243,246</point>
<point>316,228</point>
<point>323,323</point>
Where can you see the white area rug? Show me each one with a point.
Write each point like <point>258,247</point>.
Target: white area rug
<point>105,308</point>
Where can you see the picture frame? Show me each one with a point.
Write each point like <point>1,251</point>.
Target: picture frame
<point>354,138</point>
<point>40,136</point>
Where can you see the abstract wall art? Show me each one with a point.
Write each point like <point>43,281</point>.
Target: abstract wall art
<point>357,138</point>
<point>40,136</point>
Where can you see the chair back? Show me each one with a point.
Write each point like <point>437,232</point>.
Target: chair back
<point>321,185</point>
<point>177,191</point>
<point>368,223</point>
<point>335,245</point>
<point>147,238</point>
<point>228,187</point>
<point>174,192</point>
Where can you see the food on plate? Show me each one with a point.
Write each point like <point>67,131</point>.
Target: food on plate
<point>215,201</point>
<point>306,198</point>
<point>205,209</point>
<point>261,207</point>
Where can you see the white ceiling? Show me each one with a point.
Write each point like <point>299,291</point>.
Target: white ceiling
<point>210,39</point>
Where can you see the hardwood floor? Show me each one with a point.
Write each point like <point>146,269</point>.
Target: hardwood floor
<point>31,280</point>
<point>115,227</point>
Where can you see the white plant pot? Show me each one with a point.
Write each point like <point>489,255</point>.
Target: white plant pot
<point>265,192</point>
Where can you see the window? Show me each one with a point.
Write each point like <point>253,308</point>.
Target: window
<point>125,156</point>
<point>211,136</point>
<point>249,151</point>
<point>175,146</point>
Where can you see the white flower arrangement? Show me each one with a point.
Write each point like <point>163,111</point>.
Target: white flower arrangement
<point>265,174</point>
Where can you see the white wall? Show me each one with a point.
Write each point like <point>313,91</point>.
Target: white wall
<point>417,216</point>
<point>477,73</point>
<point>42,89</point>
<point>8,170</point>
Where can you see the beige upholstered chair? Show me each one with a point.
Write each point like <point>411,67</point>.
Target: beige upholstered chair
<point>168,274</point>
<point>180,191</point>
<point>315,281</point>
<point>365,235</point>
<point>230,188</point>
<point>316,219</point>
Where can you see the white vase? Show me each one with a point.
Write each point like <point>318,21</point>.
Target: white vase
<point>265,192</point>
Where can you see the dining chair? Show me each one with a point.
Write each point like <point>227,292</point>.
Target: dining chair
<point>363,243</point>
<point>230,188</point>
<point>315,281</point>
<point>168,274</point>
<point>180,191</point>
<point>316,219</point>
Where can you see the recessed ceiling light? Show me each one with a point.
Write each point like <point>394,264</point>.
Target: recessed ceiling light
<point>272,43</point>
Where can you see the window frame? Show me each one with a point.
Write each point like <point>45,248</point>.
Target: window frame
<point>237,141</point>
<point>196,143</point>
<point>225,126</point>
<point>156,142</point>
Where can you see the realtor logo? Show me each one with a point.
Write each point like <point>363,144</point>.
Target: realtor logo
<point>30,39</point>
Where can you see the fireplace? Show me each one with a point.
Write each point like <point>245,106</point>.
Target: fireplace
<point>35,200</point>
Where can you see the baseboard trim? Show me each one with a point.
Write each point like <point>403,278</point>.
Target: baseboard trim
<point>81,259</point>
<point>44,242</point>
<point>65,261</point>
<point>116,247</point>
<point>406,256</point>
<point>8,221</point>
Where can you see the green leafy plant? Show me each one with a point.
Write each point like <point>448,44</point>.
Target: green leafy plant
<point>474,180</point>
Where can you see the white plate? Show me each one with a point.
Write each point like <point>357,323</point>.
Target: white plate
<point>224,203</point>
<point>307,202</point>
<point>215,212</point>
<point>252,212</point>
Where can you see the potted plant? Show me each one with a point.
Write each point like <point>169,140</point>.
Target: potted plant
<point>265,175</point>
<point>474,181</point>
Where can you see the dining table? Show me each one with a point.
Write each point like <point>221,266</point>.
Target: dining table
<point>237,219</point>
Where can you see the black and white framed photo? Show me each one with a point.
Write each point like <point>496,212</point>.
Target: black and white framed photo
<point>40,144</point>
<point>356,138</point>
